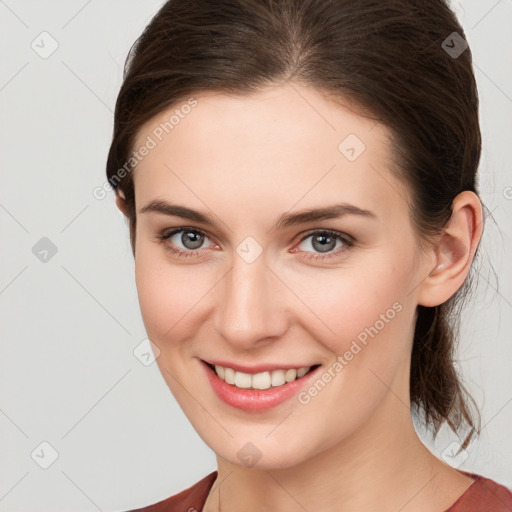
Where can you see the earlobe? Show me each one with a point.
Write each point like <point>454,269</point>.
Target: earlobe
<point>454,252</point>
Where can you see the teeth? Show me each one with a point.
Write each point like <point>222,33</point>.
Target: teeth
<point>302,371</point>
<point>229,375</point>
<point>278,378</point>
<point>263,380</point>
<point>290,375</point>
<point>220,371</point>
<point>242,380</point>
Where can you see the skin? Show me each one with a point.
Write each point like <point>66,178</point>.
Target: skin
<point>245,160</point>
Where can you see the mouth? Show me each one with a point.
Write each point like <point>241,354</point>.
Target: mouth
<point>260,380</point>
<point>257,392</point>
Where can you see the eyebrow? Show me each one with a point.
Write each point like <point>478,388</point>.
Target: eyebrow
<point>285,220</point>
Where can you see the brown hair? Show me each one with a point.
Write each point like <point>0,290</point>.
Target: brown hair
<point>389,59</point>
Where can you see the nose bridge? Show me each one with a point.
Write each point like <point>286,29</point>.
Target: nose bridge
<point>248,309</point>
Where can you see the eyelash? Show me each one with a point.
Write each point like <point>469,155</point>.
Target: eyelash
<point>345,239</point>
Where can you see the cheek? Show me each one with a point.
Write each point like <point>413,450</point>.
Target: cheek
<point>372,319</point>
<point>352,304</point>
<point>169,295</point>
<point>366,321</point>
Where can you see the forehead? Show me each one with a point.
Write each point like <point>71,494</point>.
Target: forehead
<point>283,144</point>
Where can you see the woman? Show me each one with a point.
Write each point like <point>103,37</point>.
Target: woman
<point>299,180</point>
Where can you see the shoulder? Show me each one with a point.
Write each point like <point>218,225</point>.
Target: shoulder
<point>484,495</point>
<point>189,500</point>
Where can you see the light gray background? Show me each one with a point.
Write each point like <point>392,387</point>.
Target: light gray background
<point>69,325</point>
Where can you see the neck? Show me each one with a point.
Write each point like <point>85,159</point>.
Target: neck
<point>383,466</point>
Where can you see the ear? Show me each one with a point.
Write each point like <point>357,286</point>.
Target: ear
<point>121,201</point>
<point>454,251</point>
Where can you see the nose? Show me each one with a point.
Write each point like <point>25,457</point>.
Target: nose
<point>250,310</point>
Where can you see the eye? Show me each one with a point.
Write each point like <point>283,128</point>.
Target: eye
<point>325,241</point>
<point>188,242</point>
<point>185,242</point>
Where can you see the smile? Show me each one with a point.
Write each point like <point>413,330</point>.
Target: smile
<point>259,391</point>
<point>262,380</point>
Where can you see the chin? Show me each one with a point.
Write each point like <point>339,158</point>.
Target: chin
<point>246,449</point>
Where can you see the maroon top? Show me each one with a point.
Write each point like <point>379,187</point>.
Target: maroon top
<point>483,495</point>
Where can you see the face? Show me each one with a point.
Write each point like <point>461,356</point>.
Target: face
<point>253,283</point>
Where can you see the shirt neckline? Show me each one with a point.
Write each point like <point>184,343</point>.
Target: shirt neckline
<point>475,477</point>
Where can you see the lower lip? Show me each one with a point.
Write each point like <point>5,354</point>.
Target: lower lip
<point>255,400</point>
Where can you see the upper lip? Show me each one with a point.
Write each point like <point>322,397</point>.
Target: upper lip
<point>258,368</point>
